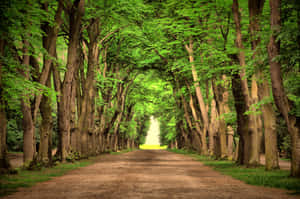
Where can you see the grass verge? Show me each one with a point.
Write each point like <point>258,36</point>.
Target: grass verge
<point>286,159</point>
<point>254,176</point>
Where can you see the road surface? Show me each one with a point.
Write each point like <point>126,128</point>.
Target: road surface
<point>147,174</point>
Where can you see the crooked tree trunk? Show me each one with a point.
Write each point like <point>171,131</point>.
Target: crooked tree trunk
<point>197,125</point>
<point>204,114</point>
<point>281,100</point>
<point>49,43</point>
<point>195,142</point>
<point>4,162</point>
<point>203,145</point>
<point>76,14</point>
<point>122,98</point>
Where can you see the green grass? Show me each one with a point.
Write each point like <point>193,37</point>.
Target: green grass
<point>25,178</point>
<point>149,147</point>
<point>254,176</point>
<point>286,159</point>
<point>15,152</point>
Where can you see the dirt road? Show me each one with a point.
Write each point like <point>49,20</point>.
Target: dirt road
<point>146,174</point>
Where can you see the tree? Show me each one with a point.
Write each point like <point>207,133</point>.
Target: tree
<point>269,119</point>
<point>280,97</point>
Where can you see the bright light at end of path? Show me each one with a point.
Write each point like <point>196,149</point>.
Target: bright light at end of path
<point>152,138</point>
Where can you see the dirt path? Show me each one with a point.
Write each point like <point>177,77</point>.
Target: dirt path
<point>146,174</point>
<point>16,160</point>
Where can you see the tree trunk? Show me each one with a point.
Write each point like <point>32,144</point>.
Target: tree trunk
<point>76,14</point>
<point>28,125</point>
<point>86,118</point>
<point>49,43</point>
<point>271,151</point>
<point>202,135</point>
<point>230,134</point>
<point>195,143</point>
<point>255,127</point>
<point>214,126</point>
<point>242,120</point>
<point>280,97</point>
<point>4,162</point>
<point>202,106</point>
<point>46,128</point>
<point>74,132</point>
<point>221,97</point>
<point>249,134</point>
<point>255,10</point>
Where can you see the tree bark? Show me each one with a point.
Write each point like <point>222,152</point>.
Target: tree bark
<point>86,115</point>
<point>46,128</point>
<point>202,106</point>
<point>271,152</point>
<point>201,135</point>
<point>4,162</point>
<point>281,100</point>
<point>221,97</point>
<point>230,134</point>
<point>49,43</point>
<point>196,143</point>
<point>242,120</point>
<point>74,131</point>
<point>214,126</point>
<point>122,101</point>
<point>185,142</point>
<point>249,136</point>
<point>28,125</point>
<point>76,14</point>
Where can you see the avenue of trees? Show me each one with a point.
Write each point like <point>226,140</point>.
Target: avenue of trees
<point>84,76</point>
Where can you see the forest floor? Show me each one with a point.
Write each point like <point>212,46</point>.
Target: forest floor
<point>147,174</point>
